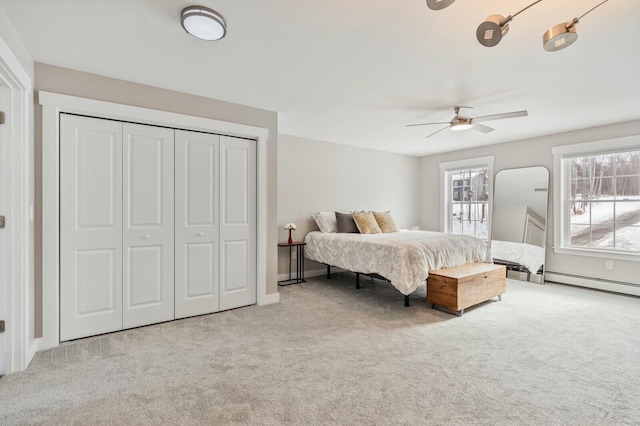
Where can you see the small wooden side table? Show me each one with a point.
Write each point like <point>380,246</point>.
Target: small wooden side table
<point>299,278</point>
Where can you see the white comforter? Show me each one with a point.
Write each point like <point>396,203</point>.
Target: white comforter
<point>404,258</point>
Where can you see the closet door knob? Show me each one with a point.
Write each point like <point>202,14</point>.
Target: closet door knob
<point>145,237</point>
<point>200,234</point>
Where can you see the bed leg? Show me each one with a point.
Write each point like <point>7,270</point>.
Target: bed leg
<point>406,300</point>
<point>328,272</point>
<point>357,280</point>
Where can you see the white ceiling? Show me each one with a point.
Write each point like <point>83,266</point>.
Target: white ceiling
<point>355,72</point>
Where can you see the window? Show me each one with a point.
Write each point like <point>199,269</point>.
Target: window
<point>598,192</point>
<point>466,189</point>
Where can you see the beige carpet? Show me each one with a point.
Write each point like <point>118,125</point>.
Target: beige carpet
<point>330,354</point>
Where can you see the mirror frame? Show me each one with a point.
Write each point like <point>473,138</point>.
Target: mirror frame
<point>514,269</point>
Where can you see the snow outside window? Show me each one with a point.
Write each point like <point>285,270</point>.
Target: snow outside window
<point>467,197</point>
<point>600,200</point>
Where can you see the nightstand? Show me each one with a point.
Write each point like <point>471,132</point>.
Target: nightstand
<point>299,278</point>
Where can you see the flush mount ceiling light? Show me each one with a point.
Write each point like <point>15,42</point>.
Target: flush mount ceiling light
<point>491,31</point>
<point>203,23</point>
<point>439,4</point>
<point>563,35</point>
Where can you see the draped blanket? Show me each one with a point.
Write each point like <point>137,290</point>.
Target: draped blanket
<point>404,258</point>
<point>527,255</point>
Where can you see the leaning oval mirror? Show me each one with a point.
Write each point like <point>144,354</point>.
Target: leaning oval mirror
<point>519,225</point>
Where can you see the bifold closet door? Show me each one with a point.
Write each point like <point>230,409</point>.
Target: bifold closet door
<point>197,225</point>
<point>90,226</point>
<point>237,222</point>
<point>148,224</point>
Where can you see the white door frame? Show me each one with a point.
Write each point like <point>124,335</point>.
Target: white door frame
<point>15,276</point>
<point>52,105</point>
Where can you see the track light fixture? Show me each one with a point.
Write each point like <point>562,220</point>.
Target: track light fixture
<point>491,31</point>
<point>495,27</point>
<point>563,35</point>
<point>439,4</point>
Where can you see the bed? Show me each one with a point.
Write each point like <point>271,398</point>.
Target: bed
<point>403,258</point>
<point>519,257</point>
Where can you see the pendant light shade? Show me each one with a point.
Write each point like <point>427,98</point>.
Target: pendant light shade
<point>559,36</point>
<point>564,35</point>
<point>439,4</point>
<point>491,31</point>
<point>203,23</point>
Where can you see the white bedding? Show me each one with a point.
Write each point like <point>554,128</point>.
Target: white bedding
<point>521,253</point>
<point>404,258</point>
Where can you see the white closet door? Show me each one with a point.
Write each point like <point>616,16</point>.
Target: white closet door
<point>90,226</point>
<point>148,225</point>
<point>197,235</point>
<point>238,222</point>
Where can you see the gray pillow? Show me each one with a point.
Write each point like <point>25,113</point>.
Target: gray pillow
<point>346,224</point>
<point>326,221</point>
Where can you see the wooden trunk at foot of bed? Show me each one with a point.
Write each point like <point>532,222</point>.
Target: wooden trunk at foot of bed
<point>463,286</point>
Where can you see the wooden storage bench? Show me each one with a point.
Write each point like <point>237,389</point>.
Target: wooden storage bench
<point>460,287</point>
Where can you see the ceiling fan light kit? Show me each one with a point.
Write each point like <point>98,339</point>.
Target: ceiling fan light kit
<point>457,125</point>
<point>463,120</point>
<point>495,27</point>
<point>203,23</point>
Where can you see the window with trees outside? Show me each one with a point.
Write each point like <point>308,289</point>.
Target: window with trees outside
<point>601,201</point>
<point>467,199</point>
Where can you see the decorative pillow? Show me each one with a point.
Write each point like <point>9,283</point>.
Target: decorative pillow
<point>366,223</point>
<point>385,222</point>
<point>326,221</point>
<point>346,224</point>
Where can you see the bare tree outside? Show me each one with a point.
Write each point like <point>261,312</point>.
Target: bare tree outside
<point>469,202</point>
<point>605,201</point>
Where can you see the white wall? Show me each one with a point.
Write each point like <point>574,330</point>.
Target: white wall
<point>511,219</point>
<point>525,153</point>
<point>318,176</point>
<point>9,35</point>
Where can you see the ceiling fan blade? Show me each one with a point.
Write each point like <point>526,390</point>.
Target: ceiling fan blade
<point>501,116</point>
<point>438,131</point>
<point>426,124</point>
<point>463,112</point>
<point>481,128</point>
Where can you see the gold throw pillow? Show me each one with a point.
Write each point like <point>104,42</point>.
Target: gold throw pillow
<point>385,222</point>
<point>366,223</point>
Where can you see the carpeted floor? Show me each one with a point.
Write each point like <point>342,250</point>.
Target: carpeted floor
<point>330,354</point>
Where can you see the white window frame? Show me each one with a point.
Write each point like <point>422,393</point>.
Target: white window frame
<point>561,186</point>
<point>451,166</point>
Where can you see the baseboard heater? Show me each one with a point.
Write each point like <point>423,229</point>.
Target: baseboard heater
<point>595,283</point>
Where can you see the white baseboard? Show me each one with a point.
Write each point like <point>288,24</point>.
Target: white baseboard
<point>269,299</point>
<point>595,283</point>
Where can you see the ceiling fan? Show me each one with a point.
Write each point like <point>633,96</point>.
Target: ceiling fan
<point>463,120</point>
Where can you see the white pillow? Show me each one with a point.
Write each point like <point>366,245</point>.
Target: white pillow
<point>326,221</point>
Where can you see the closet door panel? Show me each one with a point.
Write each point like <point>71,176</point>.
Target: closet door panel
<point>90,226</point>
<point>238,222</point>
<point>148,204</point>
<point>197,235</point>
